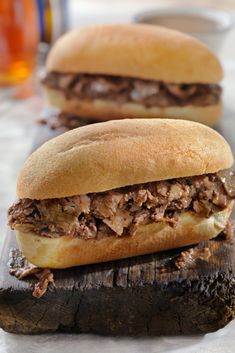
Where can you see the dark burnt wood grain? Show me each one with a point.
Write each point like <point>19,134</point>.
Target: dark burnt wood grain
<point>146,295</point>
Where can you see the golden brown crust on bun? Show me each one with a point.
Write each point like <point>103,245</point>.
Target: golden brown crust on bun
<point>103,110</point>
<point>67,251</point>
<point>134,50</point>
<point>105,156</point>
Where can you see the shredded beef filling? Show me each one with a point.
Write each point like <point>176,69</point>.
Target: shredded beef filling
<point>63,120</point>
<point>119,212</point>
<point>127,89</point>
<point>21,268</point>
<point>187,259</point>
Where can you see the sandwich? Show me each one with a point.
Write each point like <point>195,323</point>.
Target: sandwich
<point>120,189</point>
<point>109,72</point>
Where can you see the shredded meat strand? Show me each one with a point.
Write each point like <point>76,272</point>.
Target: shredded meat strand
<point>21,273</point>
<point>228,231</point>
<point>127,89</point>
<point>45,277</point>
<point>63,120</point>
<point>21,268</point>
<point>187,259</point>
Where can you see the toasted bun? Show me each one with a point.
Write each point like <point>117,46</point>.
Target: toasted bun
<point>104,110</point>
<point>134,50</point>
<point>113,154</point>
<point>68,251</point>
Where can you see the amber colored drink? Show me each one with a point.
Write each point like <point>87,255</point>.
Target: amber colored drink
<point>19,36</point>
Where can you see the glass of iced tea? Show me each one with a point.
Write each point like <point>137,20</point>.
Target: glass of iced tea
<point>19,36</point>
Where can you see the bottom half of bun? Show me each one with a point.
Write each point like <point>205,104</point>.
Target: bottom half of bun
<point>103,110</point>
<point>67,251</point>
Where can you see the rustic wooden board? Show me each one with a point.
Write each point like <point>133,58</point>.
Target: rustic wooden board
<point>146,295</point>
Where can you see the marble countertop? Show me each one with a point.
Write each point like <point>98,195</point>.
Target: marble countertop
<point>17,129</point>
<point>220,342</point>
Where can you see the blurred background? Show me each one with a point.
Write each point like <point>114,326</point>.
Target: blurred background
<point>28,28</point>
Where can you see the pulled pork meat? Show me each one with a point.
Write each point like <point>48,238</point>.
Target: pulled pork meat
<point>127,89</point>
<point>120,211</point>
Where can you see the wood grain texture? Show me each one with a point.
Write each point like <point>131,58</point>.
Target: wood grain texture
<point>146,295</point>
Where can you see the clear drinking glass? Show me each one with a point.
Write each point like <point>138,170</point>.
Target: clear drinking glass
<point>19,36</point>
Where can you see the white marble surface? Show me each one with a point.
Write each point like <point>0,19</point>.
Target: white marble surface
<point>17,129</point>
<point>222,341</point>
<point>16,136</point>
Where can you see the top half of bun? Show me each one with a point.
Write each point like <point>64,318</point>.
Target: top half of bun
<point>135,50</point>
<point>104,156</point>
